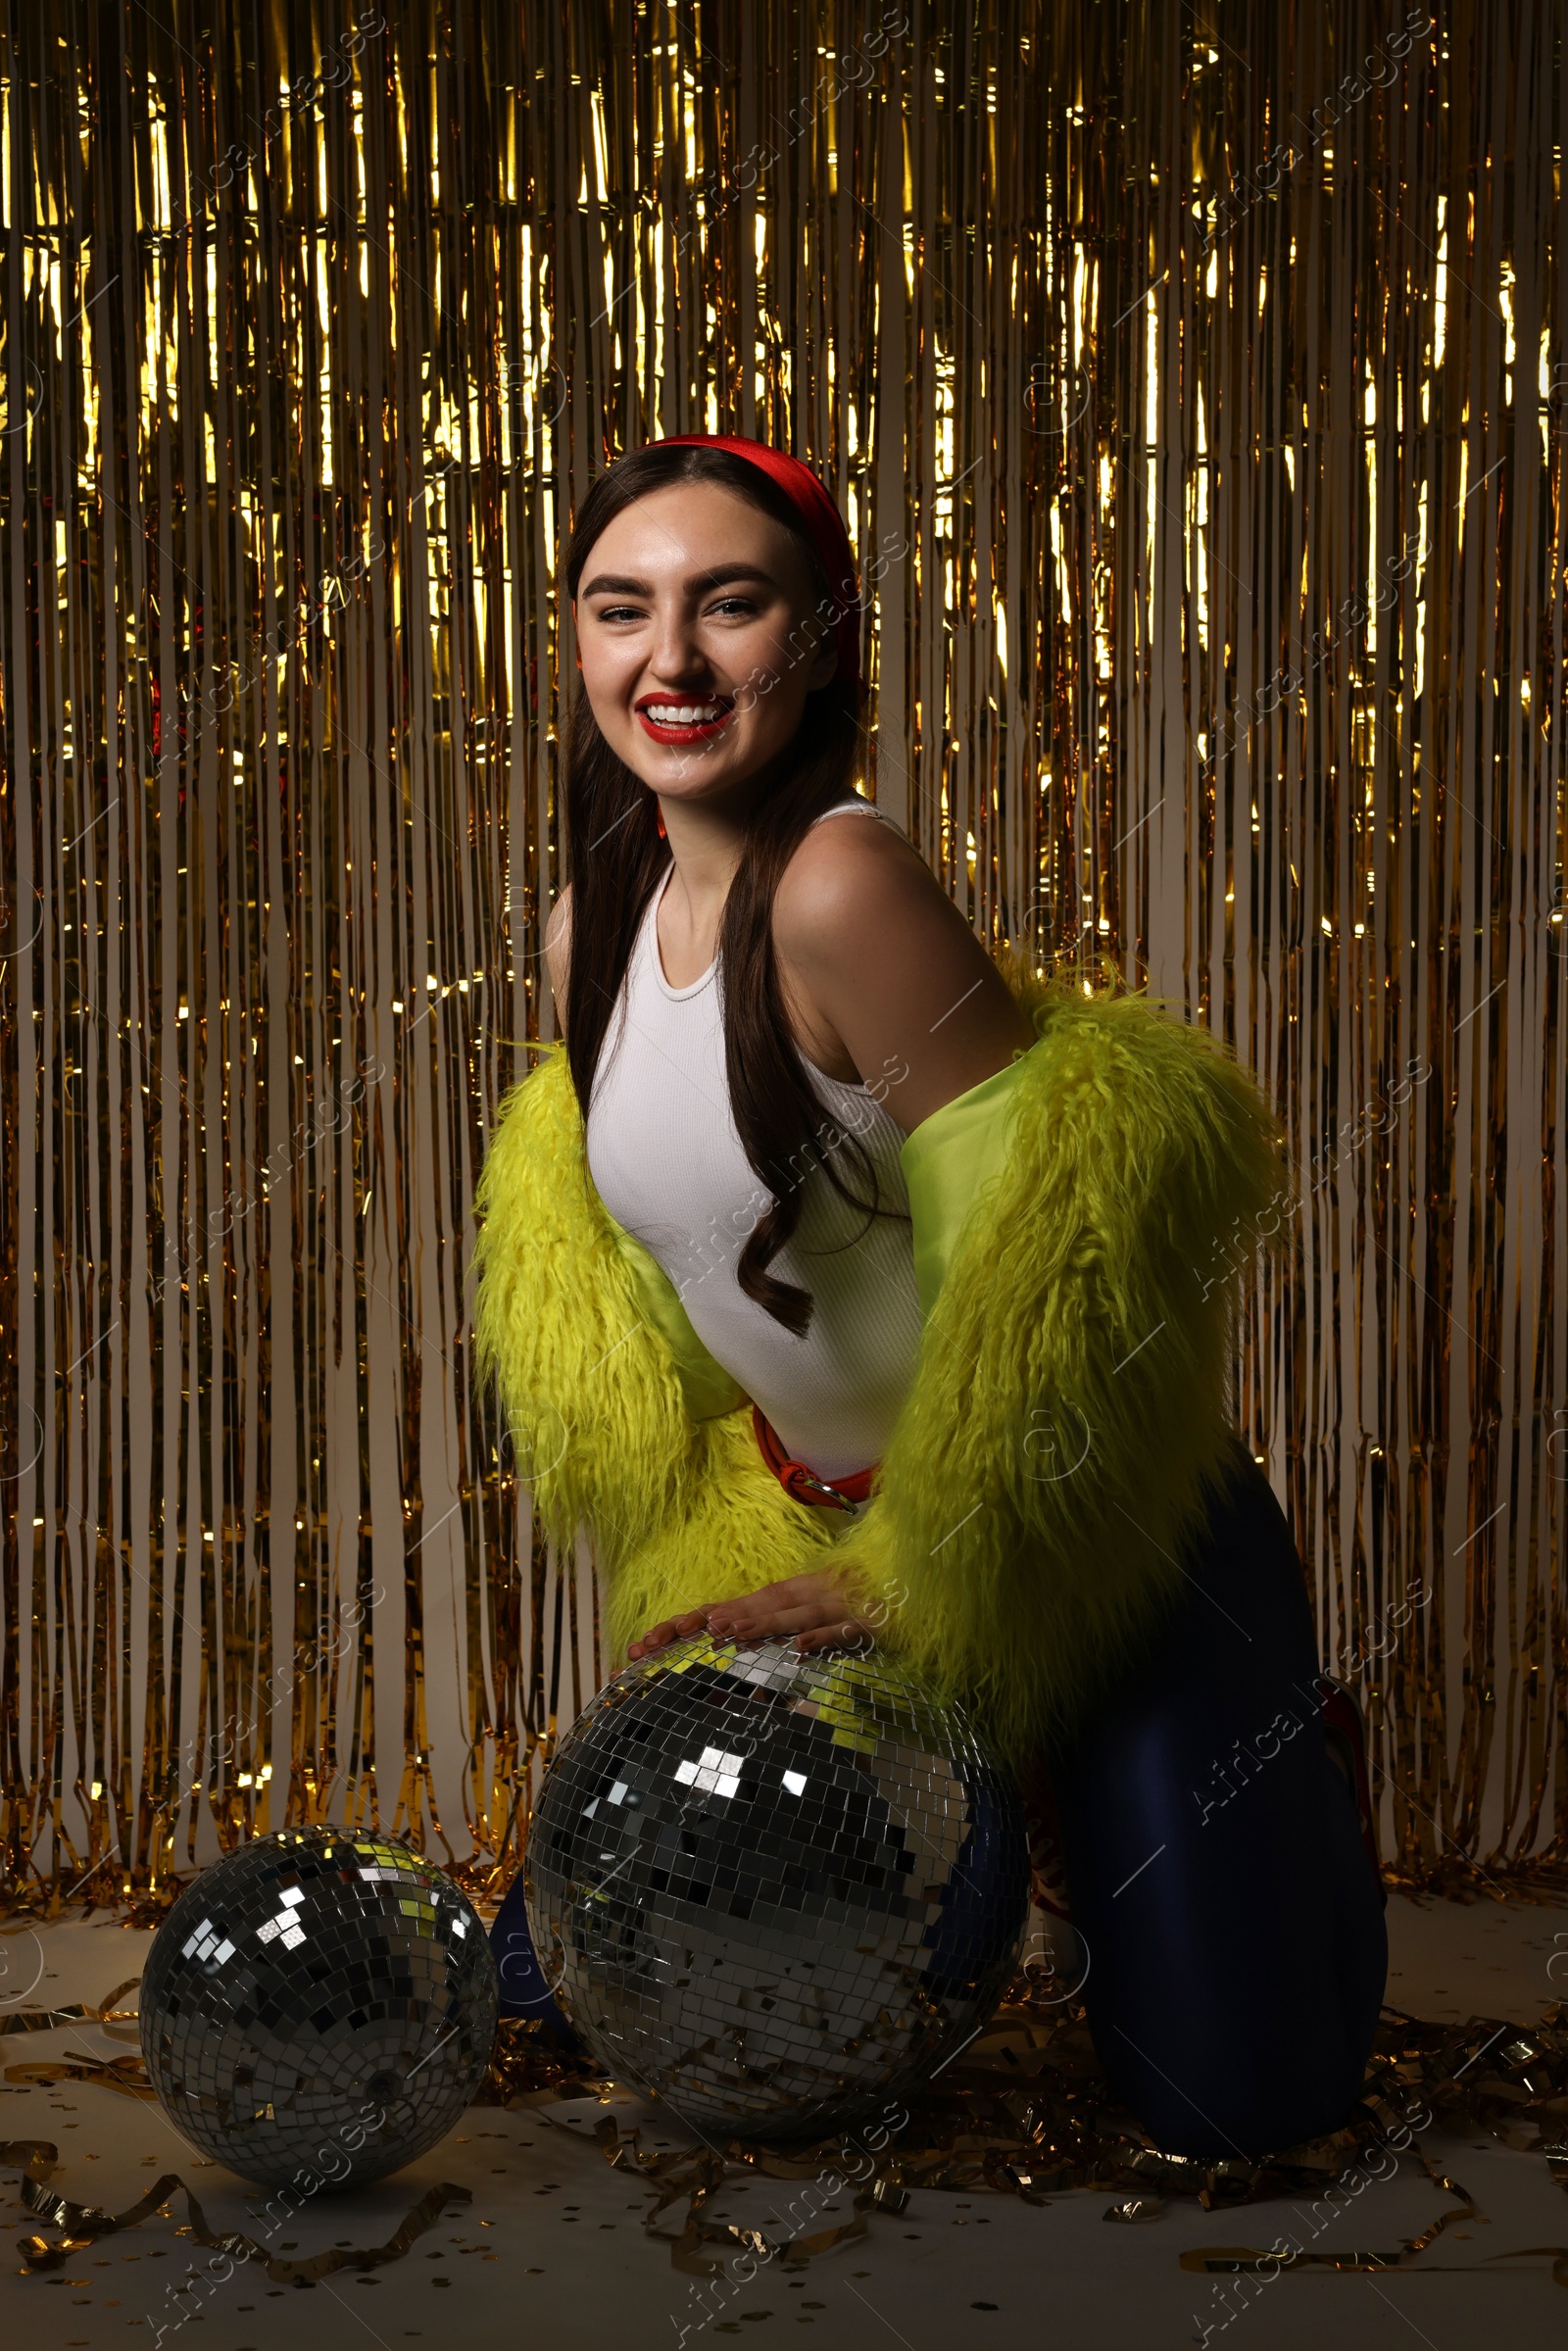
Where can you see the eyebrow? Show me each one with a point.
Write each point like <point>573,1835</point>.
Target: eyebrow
<point>621,584</point>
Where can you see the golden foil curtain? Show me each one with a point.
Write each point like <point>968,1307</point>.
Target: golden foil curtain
<point>1195,384</point>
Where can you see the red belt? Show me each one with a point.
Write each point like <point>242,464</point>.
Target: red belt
<point>802,1484</point>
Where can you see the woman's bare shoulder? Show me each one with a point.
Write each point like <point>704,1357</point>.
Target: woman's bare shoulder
<point>842,860</point>
<point>881,959</point>
<point>558,946</point>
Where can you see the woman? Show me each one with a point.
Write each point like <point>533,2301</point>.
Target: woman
<point>840,1282</point>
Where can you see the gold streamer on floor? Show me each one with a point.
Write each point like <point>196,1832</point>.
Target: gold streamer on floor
<point>1022,2111</point>
<point>1196,385</point>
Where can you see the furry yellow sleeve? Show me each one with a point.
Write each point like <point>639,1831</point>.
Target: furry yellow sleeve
<point>1069,1414</point>
<point>622,1426</point>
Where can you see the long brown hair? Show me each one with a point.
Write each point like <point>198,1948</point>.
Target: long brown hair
<point>616,859</point>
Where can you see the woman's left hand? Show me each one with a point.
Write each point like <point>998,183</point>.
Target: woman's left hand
<point>814,1609</point>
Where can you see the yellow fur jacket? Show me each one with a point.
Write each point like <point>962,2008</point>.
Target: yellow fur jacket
<point>1078,1223</point>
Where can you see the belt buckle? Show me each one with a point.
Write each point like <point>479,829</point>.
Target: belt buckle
<point>841,1501</point>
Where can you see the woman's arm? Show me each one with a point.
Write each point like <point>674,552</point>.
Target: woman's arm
<point>888,965</point>
<point>557,951</point>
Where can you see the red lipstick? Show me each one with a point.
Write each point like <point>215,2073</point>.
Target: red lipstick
<point>698,730</point>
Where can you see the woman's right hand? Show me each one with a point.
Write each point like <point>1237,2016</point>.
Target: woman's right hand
<point>814,1609</point>
<point>660,1637</point>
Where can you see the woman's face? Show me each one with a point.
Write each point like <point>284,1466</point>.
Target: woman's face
<point>699,639</point>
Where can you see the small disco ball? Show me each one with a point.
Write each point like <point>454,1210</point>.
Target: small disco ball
<point>321,2003</point>
<point>777,1891</point>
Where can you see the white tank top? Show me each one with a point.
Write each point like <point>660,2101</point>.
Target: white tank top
<point>667,1163</point>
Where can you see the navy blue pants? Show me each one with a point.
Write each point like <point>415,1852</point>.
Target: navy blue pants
<point>526,1990</point>
<point>1214,1862</point>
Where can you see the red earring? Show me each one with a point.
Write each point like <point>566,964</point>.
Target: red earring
<point>663,835</point>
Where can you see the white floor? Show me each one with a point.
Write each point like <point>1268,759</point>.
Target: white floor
<point>503,2272</point>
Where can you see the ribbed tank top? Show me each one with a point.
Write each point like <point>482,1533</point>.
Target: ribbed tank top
<point>666,1162</point>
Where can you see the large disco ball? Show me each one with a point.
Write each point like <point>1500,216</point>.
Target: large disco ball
<point>321,2004</point>
<point>775,1890</point>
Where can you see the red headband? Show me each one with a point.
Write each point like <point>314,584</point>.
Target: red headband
<point>824,523</point>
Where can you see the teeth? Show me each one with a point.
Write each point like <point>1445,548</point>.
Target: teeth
<point>668,713</point>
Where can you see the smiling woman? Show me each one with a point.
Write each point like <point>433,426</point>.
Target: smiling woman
<point>844,1284</point>
<point>718,635</point>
